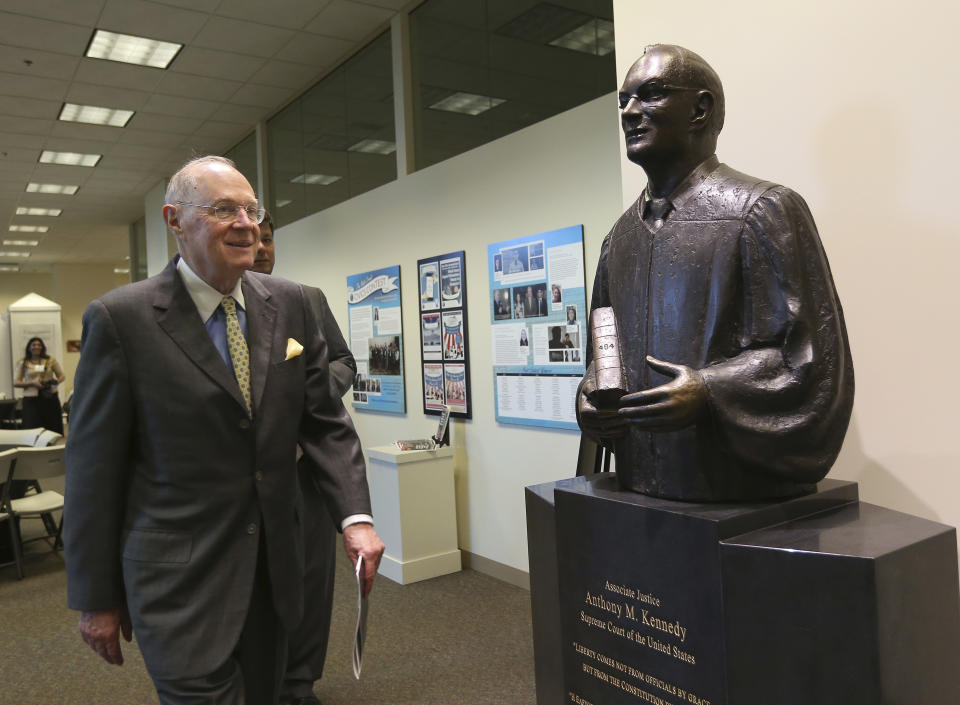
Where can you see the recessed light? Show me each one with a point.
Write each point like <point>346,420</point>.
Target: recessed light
<point>29,228</point>
<point>21,243</point>
<point>131,49</point>
<point>9,267</point>
<point>121,270</point>
<point>54,212</point>
<point>67,190</point>
<point>595,37</point>
<point>69,158</point>
<point>467,103</point>
<point>373,147</point>
<point>94,115</point>
<point>314,179</point>
<point>14,254</point>
<point>284,202</point>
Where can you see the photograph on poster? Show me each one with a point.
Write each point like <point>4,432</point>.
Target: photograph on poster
<point>443,333</point>
<point>501,304</point>
<point>433,386</point>
<point>451,282</point>
<point>455,386</point>
<point>537,350</point>
<point>376,339</point>
<point>429,286</point>
<point>430,336</point>
<point>453,335</point>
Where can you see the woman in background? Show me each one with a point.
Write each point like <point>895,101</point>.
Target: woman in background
<point>38,375</point>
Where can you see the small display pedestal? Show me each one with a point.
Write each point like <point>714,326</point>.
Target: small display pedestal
<point>414,507</point>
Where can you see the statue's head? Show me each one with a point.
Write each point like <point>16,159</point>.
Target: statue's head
<point>671,106</point>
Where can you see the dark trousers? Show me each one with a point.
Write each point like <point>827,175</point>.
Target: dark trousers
<point>252,675</point>
<point>307,649</point>
<point>40,412</point>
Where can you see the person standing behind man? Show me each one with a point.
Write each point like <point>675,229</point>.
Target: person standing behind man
<point>38,375</point>
<point>307,644</point>
<point>182,518</point>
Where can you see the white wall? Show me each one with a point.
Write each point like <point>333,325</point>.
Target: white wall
<point>561,172</point>
<point>854,105</point>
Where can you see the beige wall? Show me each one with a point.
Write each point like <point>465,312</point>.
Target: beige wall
<point>73,286</point>
<point>854,105</point>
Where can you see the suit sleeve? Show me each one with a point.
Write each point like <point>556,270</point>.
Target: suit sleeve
<point>97,461</point>
<point>343,368</point>
<point>327,435</point>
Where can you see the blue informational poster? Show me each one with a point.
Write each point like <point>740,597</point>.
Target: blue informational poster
<point>376,340</point>
<point>538,312</point>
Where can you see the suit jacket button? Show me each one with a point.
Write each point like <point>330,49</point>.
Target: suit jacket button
<point>258,476</point>
<point>251,529</point>
<point>244,423</point>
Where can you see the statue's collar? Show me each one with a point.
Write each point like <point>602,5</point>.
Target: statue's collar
<point>686,188</point>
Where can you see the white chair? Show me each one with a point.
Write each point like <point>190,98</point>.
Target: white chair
<point>7,459</point>
<point>27,437</point>
<point>32,464</point>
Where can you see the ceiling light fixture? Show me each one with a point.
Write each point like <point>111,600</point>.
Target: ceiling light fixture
<point>467,103</point>
<point>373,147</point>
<point>595,37</point>
<point>131,49</point>
<point>69,158</point>
<point>9,267</point>
<point>66,190</point>
<point>94,115</point>
<point>315,179</point>
<point>53,212</point>
<point>121,270</point>
<point>21,243</point>
<point>28,229</point>
<point>284,202</point>
<point>14,254</point>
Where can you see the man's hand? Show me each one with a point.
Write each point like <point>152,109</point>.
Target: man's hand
<point>671,406</point>
<point>101,629</point>
<point>361,540</point>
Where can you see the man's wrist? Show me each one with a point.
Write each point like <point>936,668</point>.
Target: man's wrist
<point>356,519</point>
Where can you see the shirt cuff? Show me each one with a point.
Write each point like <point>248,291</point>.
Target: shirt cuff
<point>356,519</point>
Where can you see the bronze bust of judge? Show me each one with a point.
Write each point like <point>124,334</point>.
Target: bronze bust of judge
<point>732,336</point>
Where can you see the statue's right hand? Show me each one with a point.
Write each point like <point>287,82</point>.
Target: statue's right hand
<point>101,630</point>
<point>599,424</point>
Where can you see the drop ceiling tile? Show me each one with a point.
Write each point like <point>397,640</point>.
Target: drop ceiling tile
<point>217,64</point>
<point>287,74</point>
<point>44,64</point>
<point>81,131</point>
<point>349,20</point>
<point>81,141</point>
<point>164,123</point>
<point>24,126</point>
<point>12,84</point>
<point>242,114</point>
<point>293,14</point>
<point>149,138</point>
<point>262,96</point>
<point>223,130</point>
<point>21,141</point>
<point>138,151</point>
<point>83,12</point>
<point>389,4</point>
<point>15,106</point>
<point>58,174</point>
<point>18,154</point>
<point>149,19</point>
<point>106,96</point>
<point>118,75</point>
<point>313,50</point>
<point>252,38</point>
<point>176,83</point>
<point>112,165</point>
<point>46,35</point>
<point>180,106</point>
<point>202,5</point>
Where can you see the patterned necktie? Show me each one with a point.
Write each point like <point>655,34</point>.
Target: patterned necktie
<point>239,353</point>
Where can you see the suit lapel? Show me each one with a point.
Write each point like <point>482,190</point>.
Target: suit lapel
<point>177,315</point>
<point>261,329</point>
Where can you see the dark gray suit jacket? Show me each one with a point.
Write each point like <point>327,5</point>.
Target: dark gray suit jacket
<point>343,367</point>
<point>169,484</point>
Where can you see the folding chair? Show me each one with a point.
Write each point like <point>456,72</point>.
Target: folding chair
<point>7,459</point>
<point>36,464</point>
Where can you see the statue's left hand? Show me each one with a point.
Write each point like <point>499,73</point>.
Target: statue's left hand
<point>671,406</point>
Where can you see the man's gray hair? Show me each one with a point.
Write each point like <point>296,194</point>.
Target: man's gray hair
<point>184,180</point>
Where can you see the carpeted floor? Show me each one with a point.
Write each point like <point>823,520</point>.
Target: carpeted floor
<point>461,639</point>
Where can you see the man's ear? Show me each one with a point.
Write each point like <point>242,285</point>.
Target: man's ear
<point>171,216</point>
<point>702,110</point>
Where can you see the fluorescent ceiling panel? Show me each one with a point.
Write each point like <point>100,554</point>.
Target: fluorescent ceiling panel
<point>283,202</point>
<point>315,179</point>
<point>121,270</point>
<point>94,115</point>
<point>69,158</point>
<point>54,212</point>
<point>28,229</point>
<point>467,103</point>
<point>131,49</point>
<point>373,147</point>
<point>65,189</point>
<point>21,243</point>
<point>595,37</point>
<point>14,254</point>
<point>9,267</point>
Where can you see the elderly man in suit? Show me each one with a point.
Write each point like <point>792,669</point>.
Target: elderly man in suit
<point>307,643</point>
<point>183,509</point>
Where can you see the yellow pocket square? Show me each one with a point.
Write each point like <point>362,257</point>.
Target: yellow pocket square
<point>293,349</point>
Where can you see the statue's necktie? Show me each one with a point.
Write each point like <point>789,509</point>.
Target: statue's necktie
<point>239,353</point>
<point>657,210</point>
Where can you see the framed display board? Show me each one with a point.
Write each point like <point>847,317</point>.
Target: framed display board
<point>538,314</point>
<point>376,340</point>
<point>444,354</point>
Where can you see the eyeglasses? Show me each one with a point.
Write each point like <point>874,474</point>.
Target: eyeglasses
<point>225,213</point>
<point>651,93</point>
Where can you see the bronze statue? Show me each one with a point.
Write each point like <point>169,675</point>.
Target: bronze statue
<point>732,335</point>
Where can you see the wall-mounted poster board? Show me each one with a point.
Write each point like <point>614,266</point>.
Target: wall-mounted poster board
<point>538,311</point>
<point>444,354</point>
<point>376,340</point>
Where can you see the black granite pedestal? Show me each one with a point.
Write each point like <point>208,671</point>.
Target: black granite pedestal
<point>815,600</point>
